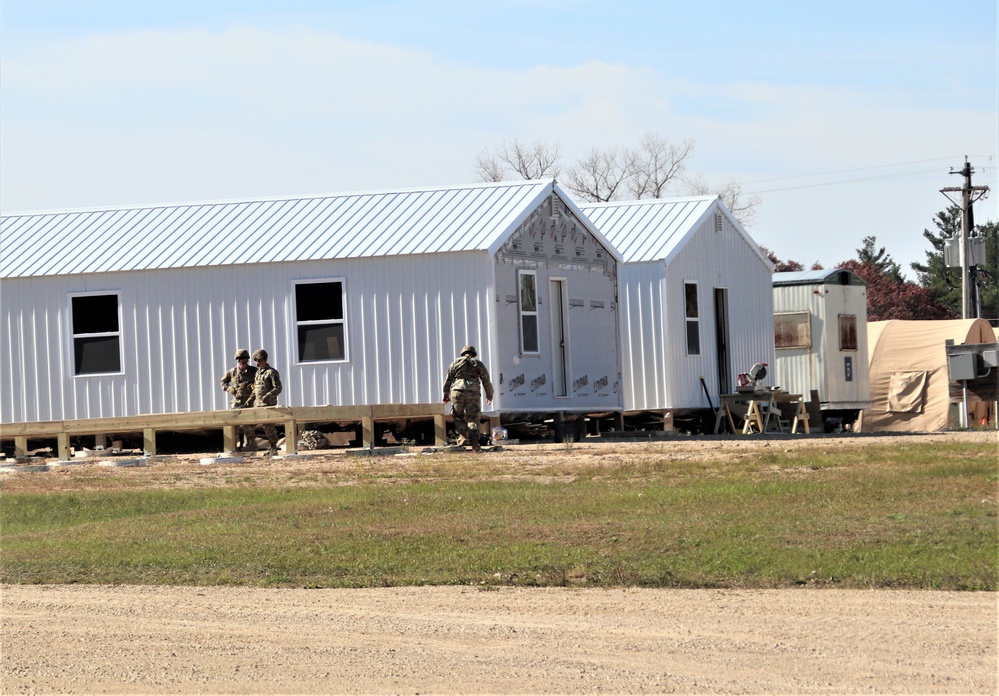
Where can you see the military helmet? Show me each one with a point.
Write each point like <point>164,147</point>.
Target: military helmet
<point>469,350</point>
<point>260,354</point>
<point>242,354</point>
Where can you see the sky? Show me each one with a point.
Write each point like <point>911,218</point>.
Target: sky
<point>846,118</point>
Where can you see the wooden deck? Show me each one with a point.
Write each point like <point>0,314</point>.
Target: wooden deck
<point>226,421</point>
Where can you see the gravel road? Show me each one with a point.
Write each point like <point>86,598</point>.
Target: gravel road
<point>451,640</point>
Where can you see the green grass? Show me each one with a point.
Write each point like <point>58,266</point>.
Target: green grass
<point>923,517</point>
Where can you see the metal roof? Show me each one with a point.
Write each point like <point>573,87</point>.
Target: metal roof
<point>652,229</point>
<point>462,218</point>
<point>832,276</point>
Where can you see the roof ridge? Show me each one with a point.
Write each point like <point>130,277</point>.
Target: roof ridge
<point>280,199</point>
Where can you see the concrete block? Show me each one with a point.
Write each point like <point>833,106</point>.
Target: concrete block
<point>125,462</point>
<point>31,468</point>
<point>207,461</point>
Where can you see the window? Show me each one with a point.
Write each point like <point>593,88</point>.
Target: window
<point>96,334</point>
<point>847,332</point>
<point>320,322</point>
<point>792,330</point>
<point>690,311</point>
<point>528,312</point>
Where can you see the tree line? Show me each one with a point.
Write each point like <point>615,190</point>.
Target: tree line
<point>936,293</point>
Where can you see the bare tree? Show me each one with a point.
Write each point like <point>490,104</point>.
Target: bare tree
<point>613,173</point>
<point>539,160</point>
<point>488,167</point>
<point>744,210</point>
<point>600,175</point>
<point>658,162</point>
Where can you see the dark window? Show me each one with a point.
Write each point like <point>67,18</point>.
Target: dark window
<point>320,321</point>
<point>693,322</point>
<point>847,332</point>
<point>96,334</point>
<point>528,313</point>
<point>792,330</point>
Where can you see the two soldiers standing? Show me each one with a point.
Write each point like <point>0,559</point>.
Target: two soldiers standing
<point>253,386</point>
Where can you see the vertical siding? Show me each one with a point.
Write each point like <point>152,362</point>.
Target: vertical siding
<point>406,319</point>
<point>643,334</point>
<point>659,373</point>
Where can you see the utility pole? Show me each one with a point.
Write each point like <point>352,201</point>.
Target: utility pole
<point>971,253</point>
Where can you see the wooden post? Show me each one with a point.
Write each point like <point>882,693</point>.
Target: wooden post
<point>228,439</point>
<point>290,437</point>
<point>668,420</point>
<point>149,442</point>
<point>100,441</point>
<point>368,432</point>
<point>440,429</point>
<point>62,440</point>
<point>20,447</point>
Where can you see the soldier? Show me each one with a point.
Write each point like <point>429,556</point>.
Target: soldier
<point>266,387</point>
<point>461,388</point>
<point>239,383</point>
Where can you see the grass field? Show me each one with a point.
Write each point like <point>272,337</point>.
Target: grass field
<point>877,516</point>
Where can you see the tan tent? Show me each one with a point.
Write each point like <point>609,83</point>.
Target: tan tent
<point>910,387</point>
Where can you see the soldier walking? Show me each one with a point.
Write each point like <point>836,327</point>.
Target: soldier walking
<point>461,388</point>
<point>266,387</point>
<point>239,383</point>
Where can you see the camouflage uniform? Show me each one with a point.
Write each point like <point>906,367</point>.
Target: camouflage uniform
<point>266,387</point>
<point>461,388</point>
<point>239,383</point>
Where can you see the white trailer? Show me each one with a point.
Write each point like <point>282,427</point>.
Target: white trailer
<point>696,300</point>
<point>820,340</point>
<point>360,299</point>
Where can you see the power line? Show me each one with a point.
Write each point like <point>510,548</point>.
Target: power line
<point>934,170</point>
<point>856,169</point>
<point>853,180</point>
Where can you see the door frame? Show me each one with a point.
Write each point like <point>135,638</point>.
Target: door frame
<point>558,290</point>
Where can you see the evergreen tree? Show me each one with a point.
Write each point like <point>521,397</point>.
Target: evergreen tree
<point>943,283</point>
<point>879,259</point>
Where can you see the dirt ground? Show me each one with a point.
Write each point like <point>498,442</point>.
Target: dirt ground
<point>460,640</point>
<point>348,467</point>
<point>449,640</point>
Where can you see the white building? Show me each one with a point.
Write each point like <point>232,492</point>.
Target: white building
<point>820,335</point>
<point>360,299</point>
<point>696,300</point>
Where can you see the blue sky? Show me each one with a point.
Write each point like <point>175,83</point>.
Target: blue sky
<point>845,117</point>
